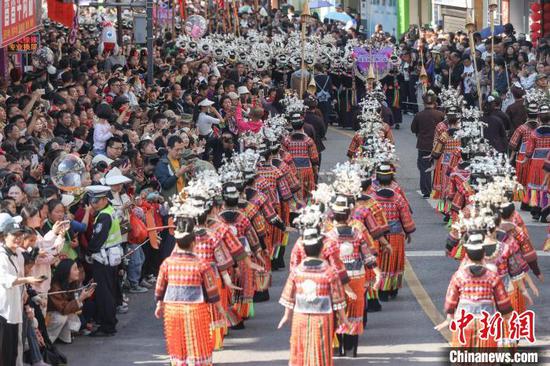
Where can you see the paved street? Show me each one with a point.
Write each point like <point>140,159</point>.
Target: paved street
<point>402,334</point>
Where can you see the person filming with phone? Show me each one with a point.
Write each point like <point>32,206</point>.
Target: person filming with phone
<point>65,303</point>
<point>12,279</point>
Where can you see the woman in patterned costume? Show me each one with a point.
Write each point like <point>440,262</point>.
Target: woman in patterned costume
<point>305,155</point>
<point>262,215</point>
<point>392,263</point>
<point>215,244</point>
<point>356,252</point>
<point>185,287</point>
<point>231,215</point>
<point>369,212</point>
<point>312,295</point>
<point>273,182</point>
<point>474,288</point>
<point>536,149</point>
<point>518,143</point>
<point>446,153</point>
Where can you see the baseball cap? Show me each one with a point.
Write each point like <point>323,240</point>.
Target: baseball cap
<point>10,224</point>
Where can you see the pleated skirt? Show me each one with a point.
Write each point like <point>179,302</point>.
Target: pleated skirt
<point>307,178</point>
<point>187,332</point>
<point>311,340</point>
<point>355,308</point>
<point>472,335</point>
<point>242,299</point>
<point>392,265</point>
<point>537,193</point>
<point>218,327</point>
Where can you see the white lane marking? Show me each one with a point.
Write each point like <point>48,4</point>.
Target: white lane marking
<point>441,253</point>
<point>524,215</point>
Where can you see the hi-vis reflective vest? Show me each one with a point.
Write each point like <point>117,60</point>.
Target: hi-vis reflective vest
<point>115,237</point>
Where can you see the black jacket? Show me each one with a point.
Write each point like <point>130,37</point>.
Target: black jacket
<point>495,132</point>
<point>423,126</point>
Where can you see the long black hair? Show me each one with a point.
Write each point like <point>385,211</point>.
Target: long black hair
<point>62,274</point>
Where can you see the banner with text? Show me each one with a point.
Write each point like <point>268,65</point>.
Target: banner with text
<point>19,18</point>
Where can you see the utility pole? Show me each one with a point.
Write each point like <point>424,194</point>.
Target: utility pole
<point>148,6</point>
<point>150,66</point>
<point>119,24</point>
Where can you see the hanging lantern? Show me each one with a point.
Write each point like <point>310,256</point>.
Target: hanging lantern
<point>535,7</point>
<point>535,17</point>
<point>535,27</point>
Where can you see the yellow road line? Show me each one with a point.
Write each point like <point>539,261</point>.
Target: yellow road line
<point>341,132</point>
<point>419,292</point>
<point>424,300</point>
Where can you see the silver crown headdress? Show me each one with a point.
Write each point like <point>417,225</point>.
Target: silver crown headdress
<point>247,160</point>
<point>471,132</point>
<point>309,216</point>
<point>293,105</point>
<point>230,172</point>
<point>250,139</point>
<point>451,97</point>
<point>278,124</point>
<point>323,194</point>
<point>536,95</point>
<point>347,179</point>
<point>480,219</point>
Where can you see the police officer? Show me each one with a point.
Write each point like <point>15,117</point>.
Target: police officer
<point>106,253</point>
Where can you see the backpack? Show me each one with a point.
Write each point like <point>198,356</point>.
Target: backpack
<point>323,95</point>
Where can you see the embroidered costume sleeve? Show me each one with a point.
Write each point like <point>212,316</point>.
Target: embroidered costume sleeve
<point>209,284</point>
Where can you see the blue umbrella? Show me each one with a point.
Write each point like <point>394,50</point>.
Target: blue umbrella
<point>486,32</point>
<point>340,17</point>
<point>316,4</point>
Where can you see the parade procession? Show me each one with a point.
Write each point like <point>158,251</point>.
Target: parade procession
<point>255,183</point>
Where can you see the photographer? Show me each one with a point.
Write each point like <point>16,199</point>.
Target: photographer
<point>63,307</point>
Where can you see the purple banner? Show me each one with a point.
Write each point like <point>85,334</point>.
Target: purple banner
<point>380,58</point>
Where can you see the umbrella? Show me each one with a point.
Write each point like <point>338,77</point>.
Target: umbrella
<point>245,9</point>
<point>316,4</point>
<point>486,32</point>
<point>340,17</point>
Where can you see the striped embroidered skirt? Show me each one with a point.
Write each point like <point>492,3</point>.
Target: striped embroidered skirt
<point>517,299</point>
<point>307,178</point>
<point>392,264</point>
<point>187,332</point>
<point>311,340</point>
<point>242,299</point>
<point>262,279</point>
<point>355,308</point>
<point>537,193</point>
<point>218,327</point>
<point>472,336</point>
<point>522,168</point>
<point>437,183</point>
<point>370,277</point>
